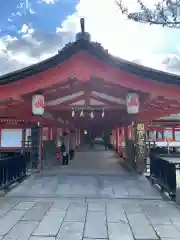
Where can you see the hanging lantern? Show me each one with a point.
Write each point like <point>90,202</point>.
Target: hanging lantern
<point>92,115</point>
<point>73,113</point>
<point>102,114</point>
<point>82,113</point>
<point>38,104</point>
<point>132,103</point>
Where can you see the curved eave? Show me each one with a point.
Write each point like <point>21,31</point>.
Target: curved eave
<point>98,51</point>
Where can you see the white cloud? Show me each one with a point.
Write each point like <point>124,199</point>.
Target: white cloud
<point>24,28</point>
<point>48,1</point>
<point>33,46</point>
<point>133,41</point>
<point>122,37</point>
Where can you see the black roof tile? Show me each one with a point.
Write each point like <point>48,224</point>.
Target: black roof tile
<point>98,51</point>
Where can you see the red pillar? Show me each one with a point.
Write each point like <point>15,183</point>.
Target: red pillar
<point>54,133</point>
<point>0,134</point>
<point>117,140</point>
<point>129,132</point>
<point>49,133</point>
<point>123,147</point>
<point>113,137</point>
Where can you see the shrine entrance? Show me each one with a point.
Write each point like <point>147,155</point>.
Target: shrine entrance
<point>84,88</point>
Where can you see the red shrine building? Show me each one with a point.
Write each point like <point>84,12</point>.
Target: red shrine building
<point>84,87</point>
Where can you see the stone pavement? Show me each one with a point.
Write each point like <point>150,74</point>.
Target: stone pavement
<point>95,174</point>
<point>87,219</point>
<point>68,205</point>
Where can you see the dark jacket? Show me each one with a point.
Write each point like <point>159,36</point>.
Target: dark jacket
<point>63,148</point>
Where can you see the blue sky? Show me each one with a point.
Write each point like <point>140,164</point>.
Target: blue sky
<point>32,30</point>
<point>44,15</point>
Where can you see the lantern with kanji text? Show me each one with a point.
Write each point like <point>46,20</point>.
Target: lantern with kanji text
<point>38,104</point>
<point>132,103</point>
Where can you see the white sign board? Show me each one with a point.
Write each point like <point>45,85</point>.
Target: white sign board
<point>11,137</point>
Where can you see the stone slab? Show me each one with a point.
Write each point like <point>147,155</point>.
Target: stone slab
<point>115,213</point>
<point>21,231</point>
<point>117,231</point>
<point>37,212</point>
<point>137,217</point>
<point>9,220</point>
<point>159,220</point>
<point>167,231</point>
<point>95,226</point>
<point>143,232</point>
<point>96,207</point>
<point>24,205</point>
<point>71,230</point>
<point>76,213</point>
<point>5,207</point>
<point>132,208</point>
<point>141,227</point>
<point>60,205</point>
<point>41,238</point>
<point>51,224</point>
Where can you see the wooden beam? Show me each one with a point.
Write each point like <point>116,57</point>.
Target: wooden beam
<point>106,101</point>
<point>155,114</point>
<point>65,103</point>
<point>60,86</point>
<point>64,92</point>
<point>87,94</point>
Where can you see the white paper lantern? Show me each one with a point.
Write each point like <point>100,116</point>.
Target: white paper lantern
<point>73,113</point>
<point>38,104</point>
<point>132,103</point>
<point>82,113</point>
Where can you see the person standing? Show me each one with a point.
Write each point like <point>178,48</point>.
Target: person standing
<point>106,141</point>
<point>66,143</point>
<point>91,140</point>
<point>71,145</point>
<point>63,151</point>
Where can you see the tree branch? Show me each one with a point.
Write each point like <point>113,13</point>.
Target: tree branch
<point>165,13</point>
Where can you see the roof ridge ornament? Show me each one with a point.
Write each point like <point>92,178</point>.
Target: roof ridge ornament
<point>82,23</point>
<point>83,35</point>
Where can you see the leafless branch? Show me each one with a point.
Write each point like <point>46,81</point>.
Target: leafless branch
<point>165,13</point>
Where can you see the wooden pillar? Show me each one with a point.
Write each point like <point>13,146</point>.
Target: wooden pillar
<point>140,143</point>
<point>23,140</point>
<point>79,136</point>
<point>49,133</point>
<point>36,148</point>
<point>129,148</point>
<point>76,143</point>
